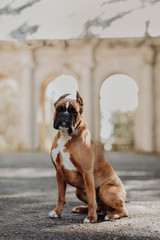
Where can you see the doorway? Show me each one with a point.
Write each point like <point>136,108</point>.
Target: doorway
<point>118,103</point>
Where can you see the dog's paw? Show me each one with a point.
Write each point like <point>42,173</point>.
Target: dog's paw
<point>53,214</point>
<point>106,218</point>
<point>75,210</point>
<point>80,209</point>
<point>116,216</point>
<point>111,217</point>
<point>86,220</point>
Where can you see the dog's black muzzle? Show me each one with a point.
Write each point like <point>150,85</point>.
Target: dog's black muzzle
<point>63,121</point>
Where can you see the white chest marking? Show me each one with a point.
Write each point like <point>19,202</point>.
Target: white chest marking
<point>64,138</point>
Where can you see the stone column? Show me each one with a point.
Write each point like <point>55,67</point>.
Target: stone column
<point>157,104</point>
<point>85,92</point>
<point>35,103</point>
<point>145,124</point>
<point>95,106</point>
<point>96,113</point>
<point>95,86</point>
<point>27,104</point>
<point>26,133</point>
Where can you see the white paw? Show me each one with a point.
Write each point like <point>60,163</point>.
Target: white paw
<point>53,214</point>
<point>74,210</point>
<point>86,220</point>
<point>116,216</point>
<point>106,218</point>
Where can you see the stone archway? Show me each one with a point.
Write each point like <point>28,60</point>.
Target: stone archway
<point>144,118</point>
<point>118,102</point>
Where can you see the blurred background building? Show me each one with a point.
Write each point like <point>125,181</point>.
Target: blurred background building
<point>110,53</point>
<point>117,78</point>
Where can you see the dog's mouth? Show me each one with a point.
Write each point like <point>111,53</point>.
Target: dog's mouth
<point>63,125</point>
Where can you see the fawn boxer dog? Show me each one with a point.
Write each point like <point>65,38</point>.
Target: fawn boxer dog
<point>80,162</point>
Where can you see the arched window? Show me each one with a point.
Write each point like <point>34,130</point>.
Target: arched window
<point>57,87</point>
<point>118,101</point>
<point>9,114</point>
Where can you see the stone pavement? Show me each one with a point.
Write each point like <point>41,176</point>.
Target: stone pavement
<point>28,191</point>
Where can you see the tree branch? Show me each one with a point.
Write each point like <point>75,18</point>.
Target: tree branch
<point>7,10</point>
<point>23,31</point>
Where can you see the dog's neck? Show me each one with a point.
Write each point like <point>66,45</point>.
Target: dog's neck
<point>64,135</point>
<point>79,128</point>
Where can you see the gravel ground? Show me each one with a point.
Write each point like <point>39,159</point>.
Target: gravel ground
<point>29,191</point>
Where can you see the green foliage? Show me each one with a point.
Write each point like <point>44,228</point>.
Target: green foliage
<point>9,114</point>
<point>123,129</point>
<point>123,124</point>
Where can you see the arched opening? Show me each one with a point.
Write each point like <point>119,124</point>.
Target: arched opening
<point>118,103</point>
<point>9,114</point>
<point>56,87</point>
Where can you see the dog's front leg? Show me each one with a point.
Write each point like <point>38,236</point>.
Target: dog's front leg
<point>61,197</point>
<point>91,197</point>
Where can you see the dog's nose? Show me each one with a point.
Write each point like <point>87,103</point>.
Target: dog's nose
<point>66,114</point>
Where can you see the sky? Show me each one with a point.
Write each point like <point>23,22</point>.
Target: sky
<point>65,19</point>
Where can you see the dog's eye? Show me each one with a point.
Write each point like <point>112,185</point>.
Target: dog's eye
<point>73,111</point>
<point>60,109</point>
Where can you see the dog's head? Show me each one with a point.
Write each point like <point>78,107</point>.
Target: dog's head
<point>68,113</point>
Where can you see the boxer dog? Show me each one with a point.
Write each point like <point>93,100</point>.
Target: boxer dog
<point>80,162</point>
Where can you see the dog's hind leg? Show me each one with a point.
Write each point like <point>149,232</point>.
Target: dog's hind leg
<point>117,214</point>
<point>113,197</point>
<point>81,195</point>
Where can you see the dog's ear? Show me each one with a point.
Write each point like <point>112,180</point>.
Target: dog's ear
<point>80,101</point>
<point>61,97</point>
